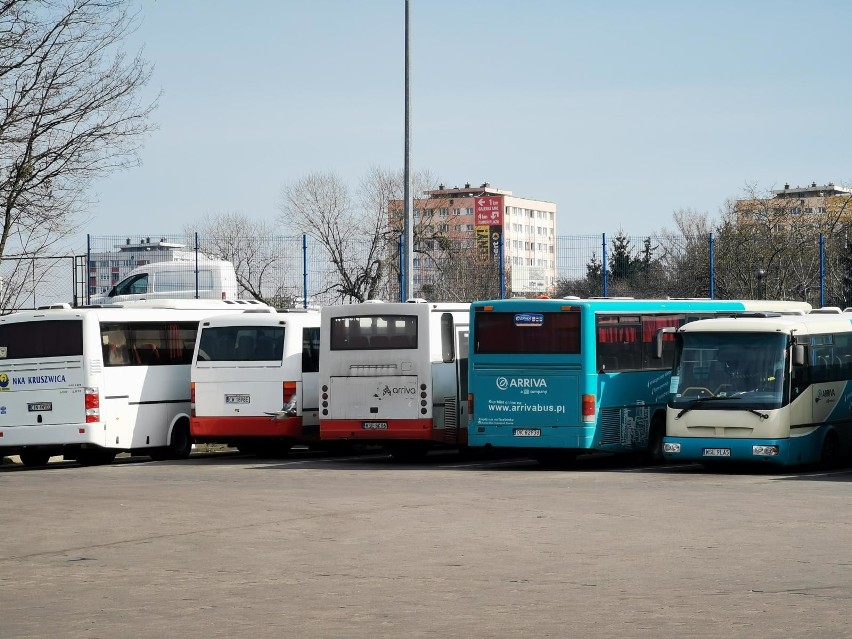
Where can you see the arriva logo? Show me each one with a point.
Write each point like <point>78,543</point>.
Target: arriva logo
<point>521,382</point>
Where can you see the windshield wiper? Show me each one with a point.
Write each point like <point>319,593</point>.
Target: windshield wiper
<point>700,400</point>
<point>696,402</point>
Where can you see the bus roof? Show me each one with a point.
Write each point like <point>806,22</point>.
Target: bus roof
<point>271,318</point>
<point>789,324</point>
<point>637,305</point>
<point>372,307</point>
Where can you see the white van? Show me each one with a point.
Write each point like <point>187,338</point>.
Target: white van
<point>175,280</point>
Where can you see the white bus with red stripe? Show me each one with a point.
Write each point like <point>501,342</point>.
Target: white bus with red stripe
<point>255,381</point>
<point>395,374</point>
<point>87,383</point>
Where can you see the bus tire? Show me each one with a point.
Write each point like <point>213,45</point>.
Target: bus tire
<point>95,456</point>
<point>34,458</point>
<point>180,443</point>
<point>655,439</point>
<point>830,453</point>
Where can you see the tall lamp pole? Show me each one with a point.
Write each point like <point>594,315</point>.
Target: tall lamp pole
<point>407,290</point>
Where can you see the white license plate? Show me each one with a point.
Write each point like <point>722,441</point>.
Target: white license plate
<point>716,452</point>
<point>37,407</point>
<point>374,425</point>
<point>527,432</point>
<point>238,399</point>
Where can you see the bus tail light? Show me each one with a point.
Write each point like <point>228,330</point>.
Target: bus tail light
<point>289,408</point>
<point>588,406</point>
<point>93,405</point>
<point>470,405</point>
<point>192,399</point>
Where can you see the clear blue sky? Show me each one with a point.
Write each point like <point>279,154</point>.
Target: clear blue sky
<point>620,112</point>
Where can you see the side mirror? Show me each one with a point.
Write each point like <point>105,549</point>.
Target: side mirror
<point>798,355</point>
<point>658,340</point>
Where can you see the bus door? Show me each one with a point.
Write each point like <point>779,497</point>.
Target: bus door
<point>456,414</point>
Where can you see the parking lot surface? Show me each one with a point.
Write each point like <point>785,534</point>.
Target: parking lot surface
<point>223,545</point>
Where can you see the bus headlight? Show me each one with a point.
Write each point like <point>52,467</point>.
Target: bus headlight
<point>671,448</point>
<point>764,451</point>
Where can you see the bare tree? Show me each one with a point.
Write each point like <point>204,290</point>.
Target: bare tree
<point>69,112</point>
<point>356,232</point>
<point>265,270</point>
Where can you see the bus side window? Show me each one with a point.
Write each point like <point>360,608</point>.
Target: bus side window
<point>310,350</point>
<point>448,347</point>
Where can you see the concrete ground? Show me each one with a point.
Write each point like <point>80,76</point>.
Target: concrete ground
<point>223,545</point>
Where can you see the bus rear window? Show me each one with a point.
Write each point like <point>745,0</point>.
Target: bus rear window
<point>544,333</point>
<point>373,332</point>
<point>241,344</point>
<point>35,340</point>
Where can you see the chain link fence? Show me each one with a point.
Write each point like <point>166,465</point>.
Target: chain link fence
<point>297,271</point>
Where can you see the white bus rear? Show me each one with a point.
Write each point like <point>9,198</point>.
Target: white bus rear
<point>395,374</point>
<point>255,381</point>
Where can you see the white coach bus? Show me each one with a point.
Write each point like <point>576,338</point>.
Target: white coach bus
<point>395,373</point>
<point>90,382</point>
<point>255,381</point>
<point>774,390</point>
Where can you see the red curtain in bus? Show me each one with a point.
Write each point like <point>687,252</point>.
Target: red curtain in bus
<point>616,334</point>
<point>650,326</point>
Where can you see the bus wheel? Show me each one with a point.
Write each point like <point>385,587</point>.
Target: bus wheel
<point>95,456</point>
<point>180,445</point>
<point>830,455</point>
<point>655,440</point>
<point>34,458</point>
<point>556,459</point>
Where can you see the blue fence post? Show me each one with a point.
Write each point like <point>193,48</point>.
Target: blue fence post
<point>821,269</point>
<point>401,270</point>
<point>196,265</point>
<point>712,268</point>
<point>603,265</point>
<point>88,295</point>
<point>502,270</point>
<point>305,270</point>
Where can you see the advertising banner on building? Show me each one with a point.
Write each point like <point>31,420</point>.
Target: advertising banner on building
<point>488,217</point>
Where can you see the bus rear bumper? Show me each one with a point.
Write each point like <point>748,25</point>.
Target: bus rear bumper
<point>779,452</point>
<point>226,428</point>
<point>379,430</point>
<point>567,437</point>
<point>48,435</point>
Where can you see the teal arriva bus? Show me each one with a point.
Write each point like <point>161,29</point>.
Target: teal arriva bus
<point>557,377</point>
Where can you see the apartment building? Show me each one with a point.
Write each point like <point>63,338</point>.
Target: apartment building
<point>475,219</point>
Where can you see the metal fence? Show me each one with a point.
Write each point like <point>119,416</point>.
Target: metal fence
<point>296,271</point>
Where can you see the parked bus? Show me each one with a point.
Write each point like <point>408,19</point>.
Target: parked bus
<point>774,390</point>
<point>255,381</point>
<point>87,383</point>
<point>557,377</point>
<point>395,373</point>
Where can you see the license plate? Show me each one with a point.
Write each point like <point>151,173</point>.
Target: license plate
<point>38,407</point>
<point>527,432</point>
<point>716,452</point>
<point>238,399</point>
<point>374,425</point>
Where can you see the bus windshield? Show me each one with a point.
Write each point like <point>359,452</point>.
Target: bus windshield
<point>241,344</point>
<point>746,367</point>
<point>371,332</point>
<point>532,333</point>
